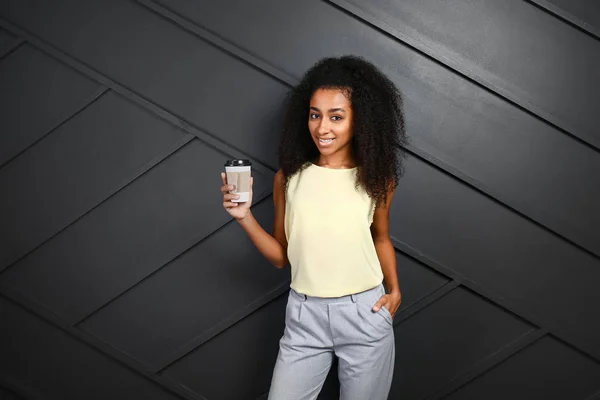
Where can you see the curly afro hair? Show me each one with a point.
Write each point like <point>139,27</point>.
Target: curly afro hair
<point>378,123</point>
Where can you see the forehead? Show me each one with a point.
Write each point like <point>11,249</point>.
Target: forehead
<point>330,98</point>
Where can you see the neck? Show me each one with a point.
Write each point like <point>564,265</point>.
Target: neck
<point>337,160</point>
<point>342,158</point>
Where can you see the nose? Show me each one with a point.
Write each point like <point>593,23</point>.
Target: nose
<point>323,127</point>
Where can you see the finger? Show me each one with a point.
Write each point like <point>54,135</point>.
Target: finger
<point>226,188</point>
<point>231,196</point>
<point>380,303</point>
<point>224,178</point>
<point>230,204</point>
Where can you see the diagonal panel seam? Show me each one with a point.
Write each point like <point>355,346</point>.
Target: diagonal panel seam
<point>204,136</point>
<point>48,315</point>
<point>218,42</point>
<point>214,142</point>
<point>425,301</point>
<point>264,300</point>
<point>222,326</point>
<point>595,396</point>
<point>419,305</point>
<point>481,367</point>
<point>489,362</point>
<point>529,316</point>
<point>104,348</point>
<point>189,244</point>
<point>123,184</point>
<point>268,69</point>
<point>514,206</point>
<point>85,104</point>
<point>222,146</point>
<point>14,46</point>
<point>20,388</point>
<point>509,207</point>
<point>438,56</point>
<point>566,17</point>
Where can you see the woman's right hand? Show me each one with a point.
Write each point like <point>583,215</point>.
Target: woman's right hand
<point>239,211</point>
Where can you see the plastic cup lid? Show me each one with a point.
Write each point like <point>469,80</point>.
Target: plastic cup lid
<point>238,163</point>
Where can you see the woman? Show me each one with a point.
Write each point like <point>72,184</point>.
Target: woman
<point>340,159</point>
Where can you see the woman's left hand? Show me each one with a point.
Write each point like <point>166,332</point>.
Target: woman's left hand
<point>391,301</point>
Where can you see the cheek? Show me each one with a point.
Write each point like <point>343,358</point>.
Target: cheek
<point>345,130</point>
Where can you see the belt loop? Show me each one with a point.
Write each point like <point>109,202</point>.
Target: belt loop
<point>302,296</point>
<point>353,297</point>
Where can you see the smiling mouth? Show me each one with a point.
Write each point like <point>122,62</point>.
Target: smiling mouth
<point>326,141</point>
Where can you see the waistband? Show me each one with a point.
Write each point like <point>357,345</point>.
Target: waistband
<point>343,299</point>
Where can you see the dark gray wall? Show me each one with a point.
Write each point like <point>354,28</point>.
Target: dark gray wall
<point>7,394</point>
<point>117,278</point>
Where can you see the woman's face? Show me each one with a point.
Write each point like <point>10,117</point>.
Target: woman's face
<point>330,121</point>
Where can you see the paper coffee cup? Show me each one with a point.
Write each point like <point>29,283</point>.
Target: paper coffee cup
<point>238,174</point>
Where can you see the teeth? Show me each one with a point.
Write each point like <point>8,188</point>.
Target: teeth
<point>325,140</point>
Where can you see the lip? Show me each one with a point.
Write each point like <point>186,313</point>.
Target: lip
<point>325,144</point>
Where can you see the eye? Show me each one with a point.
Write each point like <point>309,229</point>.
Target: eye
<point>313,116</point>
<point>336,118</point>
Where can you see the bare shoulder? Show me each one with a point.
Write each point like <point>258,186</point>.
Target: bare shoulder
<point>279,178</point>
<point>279,184</point>
<point>279,201</point>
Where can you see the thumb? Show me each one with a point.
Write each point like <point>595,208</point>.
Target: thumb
<point>379,304</point>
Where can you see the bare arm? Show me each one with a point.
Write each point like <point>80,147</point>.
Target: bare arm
<point>272,247</point>
<point>387,256</point>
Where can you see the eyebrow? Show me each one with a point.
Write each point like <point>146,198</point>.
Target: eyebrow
<point>330,110</point>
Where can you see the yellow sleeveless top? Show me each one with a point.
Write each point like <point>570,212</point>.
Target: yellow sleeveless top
<point>327,225</point>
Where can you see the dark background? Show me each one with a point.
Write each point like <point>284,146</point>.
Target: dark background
<point>121,276</point>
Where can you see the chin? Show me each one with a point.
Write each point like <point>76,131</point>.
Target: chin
<point>327,152</point>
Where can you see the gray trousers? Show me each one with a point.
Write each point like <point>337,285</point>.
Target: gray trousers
<point>319,328</point>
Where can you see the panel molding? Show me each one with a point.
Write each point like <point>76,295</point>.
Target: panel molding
<point>421,304</point>
<point>224,147</point>
<point>566,17</point>
<point>488,363</point>
<point>260,198</point>
<point>547,326</point>
<point>92,341</point>
<point>530,213</point>
<point>595,396</point>
<point>114,191</point>
<point>402,316</point>
<point>20,389</point>
<point>222,326</point>
<point>419,44</point>
<point>207,138</point>
<point>216,329</point>
<point>14,46</point>
<point>425,301</point>
<point>217,42</point>
<point>85,104</point>
<point>215,142</point>
<point>477,369</point>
